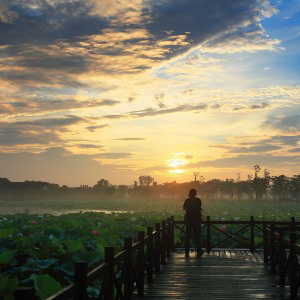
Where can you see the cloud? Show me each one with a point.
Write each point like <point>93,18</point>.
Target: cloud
<point>241,41</point>
<point>255,149</point>
<point>151,112</point>
<point>89,146</point>
<point>46,21</point>
<point>115,116</point>
<point>209,22</point>
<point>130,139</point>
<point>248,161</point>
<point>57,123</point>
<point>294,150</point>
<point>94,128</point>
<point>259,106</point>
<point>12,134</point>
<point>287,140</point>
<point>180,108</point>
<point>289,123</point>
<point>41,104</point>
<point>113,155</point>
<point>6,15</point>
<point>106,39</point>
<point>39,131</point>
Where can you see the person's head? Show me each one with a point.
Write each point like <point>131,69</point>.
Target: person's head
<point>192,193</point>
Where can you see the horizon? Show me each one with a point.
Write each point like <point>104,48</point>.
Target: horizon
<point>200,179</point>
<point>107,89</point>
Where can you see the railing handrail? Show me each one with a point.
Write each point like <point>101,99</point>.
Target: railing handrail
<point>242,222</point>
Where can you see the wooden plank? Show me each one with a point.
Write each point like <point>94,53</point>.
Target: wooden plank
<point>261,254</point>
<point>251,256</point>
<point>258,257</point>
<point>213,277</point>
<point>233,254</point>
<point>245,255</point>
<point>227,254</point>
<point>240,255</point>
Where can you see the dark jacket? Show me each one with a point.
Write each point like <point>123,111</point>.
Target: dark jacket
<point>193,208</point>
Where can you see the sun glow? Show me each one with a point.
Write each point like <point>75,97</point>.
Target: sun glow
<point>177,171</point>
<point>176,162</point>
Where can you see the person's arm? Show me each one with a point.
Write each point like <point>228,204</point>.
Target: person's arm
<point>200,204</point>
<point>184,205</point>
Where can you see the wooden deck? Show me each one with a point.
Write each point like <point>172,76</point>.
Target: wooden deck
<point>221,274</point>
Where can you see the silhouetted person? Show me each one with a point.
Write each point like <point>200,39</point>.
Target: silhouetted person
<point>193,208</point>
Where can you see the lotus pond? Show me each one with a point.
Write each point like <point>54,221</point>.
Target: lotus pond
<point>40,250</point>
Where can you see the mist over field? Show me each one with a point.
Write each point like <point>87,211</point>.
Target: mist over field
<point>254,196</point>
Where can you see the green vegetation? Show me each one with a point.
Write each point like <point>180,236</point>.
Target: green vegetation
<point>40,249</point>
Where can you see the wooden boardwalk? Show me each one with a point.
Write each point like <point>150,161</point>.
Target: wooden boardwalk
<point>221,274</point>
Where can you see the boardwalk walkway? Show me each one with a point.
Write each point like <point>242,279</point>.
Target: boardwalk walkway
<point>218,275</point>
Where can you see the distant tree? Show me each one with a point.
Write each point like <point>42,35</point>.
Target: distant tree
<point>145,180</point>
<point>293,186</point>
<point>256,182</point>
<point>102,183</point>
<point>196,174</point>
<point>279,186</point>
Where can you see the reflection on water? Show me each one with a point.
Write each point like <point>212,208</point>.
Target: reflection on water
<point>15,210</point>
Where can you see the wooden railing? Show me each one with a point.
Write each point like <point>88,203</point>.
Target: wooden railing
<point>121,273</point>
<point>255,227</point>
<point>125,272</point>
<point>281,251</point>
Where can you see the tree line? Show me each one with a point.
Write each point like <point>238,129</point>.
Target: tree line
<point>258,186</point>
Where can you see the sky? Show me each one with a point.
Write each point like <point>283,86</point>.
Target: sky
<point>115,89</point>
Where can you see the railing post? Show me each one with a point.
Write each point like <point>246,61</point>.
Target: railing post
<point>208,238</point>
<point>266,243</point>
<point>252,234</point>
<point>109,287</point>
<point>168,237</point>
<point>273,250</point>
<point>24,293</point>
<point>293,222</point>
<point>172,234</point>
<point>150,254</point>
<point>281,267</point>
<point>293,266</point>
<point>157,248</point>
<point>80,279</point>
<point>163,242</point>
<point>141,269</point>
<point>128,269</point>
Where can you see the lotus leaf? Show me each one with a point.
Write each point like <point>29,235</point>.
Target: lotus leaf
<point>74,245</point>
<point>34,264</point>
<point>6,256</point>
<point>6,233</point>
<point>7,287</point>
<point>45,285</point>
